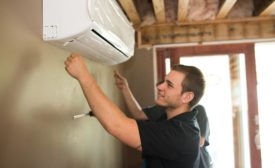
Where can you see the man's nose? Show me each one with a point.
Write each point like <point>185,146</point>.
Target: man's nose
<point>161,86</point>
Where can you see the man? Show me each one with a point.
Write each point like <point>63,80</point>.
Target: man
<point>171,141</point>
<point>155,112</point>
<point>202,119</point>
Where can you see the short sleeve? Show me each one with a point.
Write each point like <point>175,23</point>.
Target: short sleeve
<point>166,140</point>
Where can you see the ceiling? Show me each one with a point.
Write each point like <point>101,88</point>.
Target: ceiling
<point>200,21</point>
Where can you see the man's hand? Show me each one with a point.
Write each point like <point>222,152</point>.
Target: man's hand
<point>120,81</point>
<point>76,67</point>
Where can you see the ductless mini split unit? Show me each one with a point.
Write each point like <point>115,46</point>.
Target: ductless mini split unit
<point>97,29</point>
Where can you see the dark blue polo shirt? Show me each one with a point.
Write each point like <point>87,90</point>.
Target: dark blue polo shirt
<point>172,143</point>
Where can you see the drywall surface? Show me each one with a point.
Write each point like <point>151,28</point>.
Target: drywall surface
<point>140,74</point>
<point>38,100</point>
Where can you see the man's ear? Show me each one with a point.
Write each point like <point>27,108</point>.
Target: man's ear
<point>187,97</point>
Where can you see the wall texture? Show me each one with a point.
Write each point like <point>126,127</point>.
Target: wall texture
<point>139,71</point>
<point>38,100</point>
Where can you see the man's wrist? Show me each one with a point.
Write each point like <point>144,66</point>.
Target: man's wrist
<point>86,79</point>
<point>125,89</point>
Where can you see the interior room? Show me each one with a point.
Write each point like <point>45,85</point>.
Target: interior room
<point>231,41</point>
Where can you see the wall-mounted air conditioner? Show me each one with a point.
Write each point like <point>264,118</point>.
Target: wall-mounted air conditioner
<point>97,29</point>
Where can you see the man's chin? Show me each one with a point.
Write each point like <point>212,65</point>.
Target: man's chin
<point>159,102</point>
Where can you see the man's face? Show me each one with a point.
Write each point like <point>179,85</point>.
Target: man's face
<point>170,91</point>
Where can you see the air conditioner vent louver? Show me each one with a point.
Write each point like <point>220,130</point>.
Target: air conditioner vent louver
<point>108,42</point>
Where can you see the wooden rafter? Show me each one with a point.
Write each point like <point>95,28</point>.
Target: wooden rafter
<point>182,10</point>
<point>159,10</point>
<point>131,11</point>
<point>225,8</point>
<point>269,9</point>
<point>218,31</point>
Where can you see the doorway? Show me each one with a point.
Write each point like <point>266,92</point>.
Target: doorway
<point>230,108</point>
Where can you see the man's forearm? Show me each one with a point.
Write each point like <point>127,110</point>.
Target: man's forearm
<point>132,104</point>
<point>104,110</point>
<point>109,115</point>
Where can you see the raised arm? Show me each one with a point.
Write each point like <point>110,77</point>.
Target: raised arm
<point>131,102</point>
<point>109,115</point>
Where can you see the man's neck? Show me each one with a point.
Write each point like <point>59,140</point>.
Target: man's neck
<point>172,112</point>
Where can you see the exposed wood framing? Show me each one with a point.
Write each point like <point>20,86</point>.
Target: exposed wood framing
<point>182,10</point>
<point>159,10</point>
<point>219,31</point>
<point>225,8</point>
<point>269,9</point>
<point>131,11</point>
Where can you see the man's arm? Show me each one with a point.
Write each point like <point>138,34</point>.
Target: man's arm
<point>131,103</point>
<point>202,141</point>
<point>109,115</point>
<point>203,124</point>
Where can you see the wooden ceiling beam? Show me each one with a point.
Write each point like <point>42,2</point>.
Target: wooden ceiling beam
<point>182,10</point>
<point>131,11</point>
<point>225,8</point>
<point>269,9</point>
<point>209,32</point>
<point>159,10</point>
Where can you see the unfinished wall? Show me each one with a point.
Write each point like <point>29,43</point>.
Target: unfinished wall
<point>38,99</point>
<point>139,72</point>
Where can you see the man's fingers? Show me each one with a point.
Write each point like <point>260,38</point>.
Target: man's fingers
<point>67,62</point>
<point>69,58</point>
<point>73,56</point>
<point>117,75</point>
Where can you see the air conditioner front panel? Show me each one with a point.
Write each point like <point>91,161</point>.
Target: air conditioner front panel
<point>96,49</point>
<point>64,18</point>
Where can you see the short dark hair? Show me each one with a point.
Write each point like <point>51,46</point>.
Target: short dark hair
<point>193,81</point>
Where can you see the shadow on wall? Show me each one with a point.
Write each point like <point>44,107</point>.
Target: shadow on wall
<point>28,12</point>
<point>9,98</point>
<point>10,95</point>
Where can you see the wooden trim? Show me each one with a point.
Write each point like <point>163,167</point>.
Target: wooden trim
<point>175,57</point>
<point>236,31</point>
<point>209,49</point>
<point>221,21</point>
<point>252,99</point>
<point>160,65</point>
<point>138,43</point>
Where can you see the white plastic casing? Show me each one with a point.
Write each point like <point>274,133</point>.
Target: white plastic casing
<point>97,29</point>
